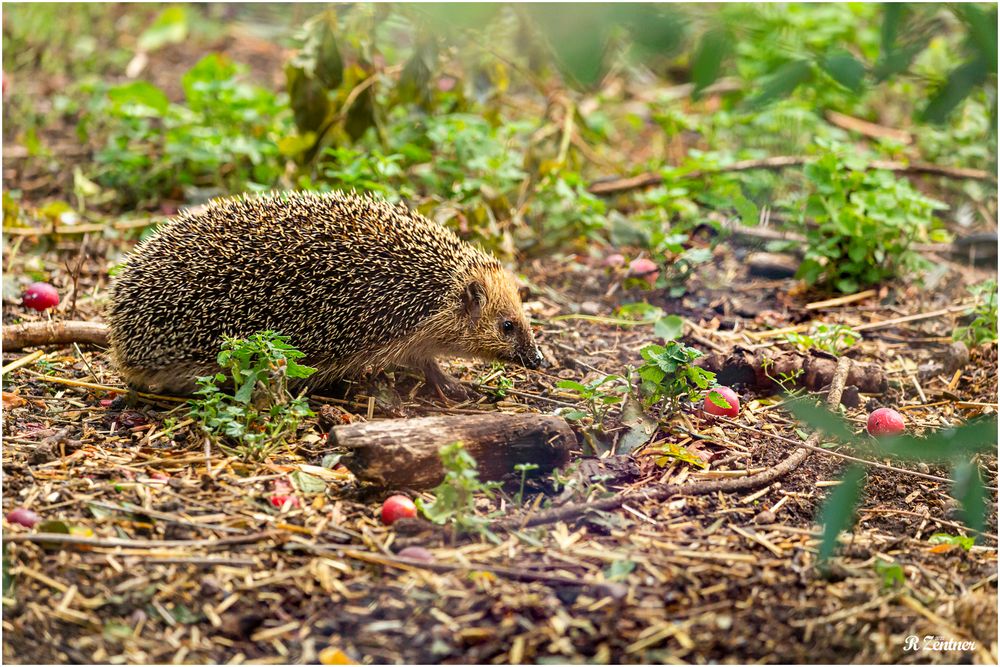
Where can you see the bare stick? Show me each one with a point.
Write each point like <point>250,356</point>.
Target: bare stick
<point>36,334</point>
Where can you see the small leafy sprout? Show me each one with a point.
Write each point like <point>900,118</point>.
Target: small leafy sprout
<point>524,469</point>
<point>832,338</point>
<point>598,396</point>
<point>261,414</point>
<point>865,222</point>
<point>455,497</point>
<point>668,374</point>
<point>983,328</point>
<point>892,573</point>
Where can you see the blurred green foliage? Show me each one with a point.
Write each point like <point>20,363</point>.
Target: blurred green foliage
<point>494,119</point>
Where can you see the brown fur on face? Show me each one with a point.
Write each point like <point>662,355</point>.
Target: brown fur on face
<point>492,323</point>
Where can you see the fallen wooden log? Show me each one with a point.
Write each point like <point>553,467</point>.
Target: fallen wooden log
<point>768,371</point>
<point>403,453</point>
<point>37,334</point>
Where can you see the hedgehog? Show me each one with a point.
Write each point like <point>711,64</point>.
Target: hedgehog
<point>357,284</point>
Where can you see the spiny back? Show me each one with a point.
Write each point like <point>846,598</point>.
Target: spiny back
<point>337,272</point>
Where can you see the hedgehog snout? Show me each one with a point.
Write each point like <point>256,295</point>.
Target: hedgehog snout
<point>533,359</point>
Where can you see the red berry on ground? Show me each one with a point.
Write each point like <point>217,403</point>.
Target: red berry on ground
<point>40,296</point>
<point>885,421</point>
<point>728,395</point>
<point>279,501</point>
<point>397,507</point>
<point>23,517</point>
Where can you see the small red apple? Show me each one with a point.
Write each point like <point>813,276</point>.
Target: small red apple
<point>23,517</point>
<point>40,296</point>
<point>885,421</point>
<point>726,394</point>
<point>397,507</point>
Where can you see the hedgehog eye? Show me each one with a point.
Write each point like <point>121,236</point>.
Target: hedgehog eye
<point>507,326</point>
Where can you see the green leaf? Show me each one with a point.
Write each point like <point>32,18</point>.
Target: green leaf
<point>892,573</point>
<point>140,94</point>
<point>308,98</point>
<point>415,79</point>
<point>717,398</point>
<point>782,83</point>
<point>894,12</point>
<point>572,384</point>
<point>329,66</point>
<point>982,28</point>
<point>170,27</point>
<point>837,513</point>
<point>944,538</point>
<point>706,63</point>
<point>669,328</point>
<point>306,483</point>
<point>968,489</point>
<point>961,82</point>
<point>748,211</point>
<point>821,419</point>
<point>845,70</point>
<point>618,570</point>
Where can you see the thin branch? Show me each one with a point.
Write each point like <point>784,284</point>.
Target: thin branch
<point>616,185</point>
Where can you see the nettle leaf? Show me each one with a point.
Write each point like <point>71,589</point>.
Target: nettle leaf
<point>669,328</point>
<point>845,69</point>
<point>718,399</point>
<point>707,61</point>
<point>969,490</point>
<point>329,65</point>
<point>837,513</point>
<point>308,98</point>
<point>960,83</point>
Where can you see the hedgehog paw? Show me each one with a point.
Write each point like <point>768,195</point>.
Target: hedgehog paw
<point>444,385</point>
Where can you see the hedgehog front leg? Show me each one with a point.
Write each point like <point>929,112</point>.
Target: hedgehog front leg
<point>445,385</point>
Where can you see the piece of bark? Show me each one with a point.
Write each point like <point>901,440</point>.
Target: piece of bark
<point>403,453</point>
<point>37,334</point>
<point>768,372</point>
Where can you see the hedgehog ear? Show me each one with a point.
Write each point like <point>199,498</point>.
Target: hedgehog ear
<point>473,299</point>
